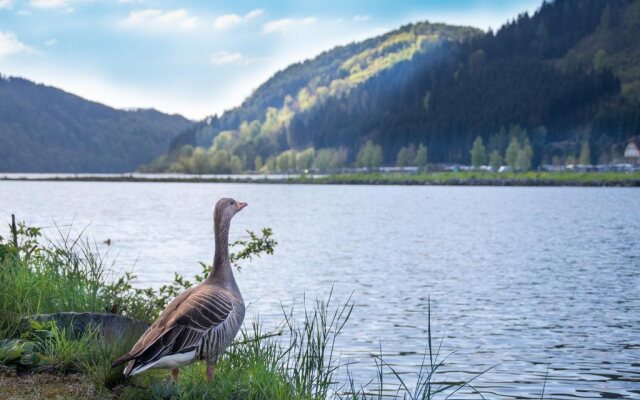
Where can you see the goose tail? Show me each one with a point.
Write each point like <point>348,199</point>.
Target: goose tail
<point>127,358</point>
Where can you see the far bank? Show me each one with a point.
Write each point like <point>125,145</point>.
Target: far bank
<point>461,178</point>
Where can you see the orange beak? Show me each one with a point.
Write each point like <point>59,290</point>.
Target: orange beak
<point>240,205</point>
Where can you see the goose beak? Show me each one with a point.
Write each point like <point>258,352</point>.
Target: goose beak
<point>240,205</point>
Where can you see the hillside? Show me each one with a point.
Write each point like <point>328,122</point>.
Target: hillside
<point>44,129</point>
<point>264,125</point>
<point>556,82</point>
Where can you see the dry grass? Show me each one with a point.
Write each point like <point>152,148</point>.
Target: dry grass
<point>50,386</point>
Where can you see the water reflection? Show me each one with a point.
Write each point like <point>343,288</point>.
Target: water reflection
<point>541,283</point>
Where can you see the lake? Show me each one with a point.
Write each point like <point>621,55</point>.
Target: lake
<point>537,282</point>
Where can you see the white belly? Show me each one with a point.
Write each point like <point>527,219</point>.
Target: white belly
<point>170,361</point>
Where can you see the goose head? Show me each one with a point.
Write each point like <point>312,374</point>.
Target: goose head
<point>225,210</point>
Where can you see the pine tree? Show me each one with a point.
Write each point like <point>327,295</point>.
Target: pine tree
<point>495,160</point>
<point>376,159</point>
<point>600,61</point>
<point>365,153</point>
<point>421,156</point>
<point>369,156</point>
<point>338,158</point>
<point>402,159</point>
<point>523,159</point>
<point>585,153</point>
<point>511,154</point>
<point>478,153</point>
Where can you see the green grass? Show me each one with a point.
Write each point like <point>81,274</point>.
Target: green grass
<point>99,356</point>
<point>63,350</point>
<point>69,274</point>
<point>298,361</point>
<point>488,178</point>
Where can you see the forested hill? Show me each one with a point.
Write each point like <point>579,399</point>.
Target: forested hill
<point>275,117</point>
<point>559,81</point>
<point>44,129</point>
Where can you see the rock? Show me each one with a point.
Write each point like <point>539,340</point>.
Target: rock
<point>109,325</point>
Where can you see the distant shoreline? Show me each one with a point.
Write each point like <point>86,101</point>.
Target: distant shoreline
<point>590,179</point>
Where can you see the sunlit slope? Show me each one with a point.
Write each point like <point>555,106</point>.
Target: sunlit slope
<point>565,75</point>
<point>266,117</point>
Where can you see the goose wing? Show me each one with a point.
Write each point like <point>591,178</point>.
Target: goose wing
<point>180,327</point>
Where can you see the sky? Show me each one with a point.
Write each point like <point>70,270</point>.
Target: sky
<point>199,58</point>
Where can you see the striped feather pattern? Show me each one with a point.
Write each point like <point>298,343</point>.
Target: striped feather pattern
<point>205,318</point>
<point>205,309</point>
<point>218,338</point>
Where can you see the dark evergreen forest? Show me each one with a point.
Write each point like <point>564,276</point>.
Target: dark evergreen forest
<point>565,76</point>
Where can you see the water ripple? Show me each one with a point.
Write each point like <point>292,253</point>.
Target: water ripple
<point>542,283</point>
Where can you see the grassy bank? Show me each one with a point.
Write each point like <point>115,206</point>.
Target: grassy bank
<point>481,178</point>
<point>297,361</point>
<point>462,178</point>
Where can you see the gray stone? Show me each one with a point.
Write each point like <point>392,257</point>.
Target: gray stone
<point>108,325</point>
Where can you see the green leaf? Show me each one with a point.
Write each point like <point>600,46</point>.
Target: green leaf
<point>31,359</point>
<point>27,347</point>
<point>13,354</point>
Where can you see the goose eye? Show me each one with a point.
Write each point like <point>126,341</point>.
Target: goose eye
<point>233,202</point>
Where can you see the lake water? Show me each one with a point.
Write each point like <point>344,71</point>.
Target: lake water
<point>528,280</point>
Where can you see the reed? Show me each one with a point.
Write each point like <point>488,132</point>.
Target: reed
<point>428,383</point>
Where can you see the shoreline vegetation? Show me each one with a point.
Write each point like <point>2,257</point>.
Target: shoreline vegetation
<point>460,178</point>
<point>297,360</point>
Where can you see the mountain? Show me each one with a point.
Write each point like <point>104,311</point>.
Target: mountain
<point>266,122</point>
<point>44,129</point>
<point>563,83</point>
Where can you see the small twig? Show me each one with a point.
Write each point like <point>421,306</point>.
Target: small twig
<point>14,231</point>
<point>259,338</point>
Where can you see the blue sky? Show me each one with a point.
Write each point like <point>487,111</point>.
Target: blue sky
<point>198,58</point>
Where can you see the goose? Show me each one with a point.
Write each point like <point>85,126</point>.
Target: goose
<point>200,323</point>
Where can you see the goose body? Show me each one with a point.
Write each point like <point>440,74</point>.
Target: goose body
<point>201,322</point>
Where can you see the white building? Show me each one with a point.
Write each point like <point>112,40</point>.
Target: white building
<point>631,151</point>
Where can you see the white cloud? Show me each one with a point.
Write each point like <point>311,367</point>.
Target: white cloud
<point>5,4</point>
<point>361,17</point>
<point>229,20</point>
<point>93,85</point>
<point>51,42</point>
<point>49,3</point>
<point>226,21</point>
<point>159,20</point>
<point>9,44</point>
<point>225,57</point>
<point>285,24</point>
<point>254,13</point>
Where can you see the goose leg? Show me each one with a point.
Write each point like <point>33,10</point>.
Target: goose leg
<point>210,371</point>
<point>174,373</point>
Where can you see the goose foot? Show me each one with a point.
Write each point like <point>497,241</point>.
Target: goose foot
<point>174,373</point>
